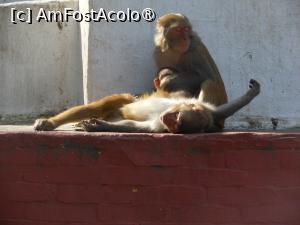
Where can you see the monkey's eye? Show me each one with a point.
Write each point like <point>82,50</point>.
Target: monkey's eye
<point>187,29</point>
<point>178,29</point>
<point>181,29</point>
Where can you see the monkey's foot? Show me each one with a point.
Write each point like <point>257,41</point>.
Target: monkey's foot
<point>43,125</point>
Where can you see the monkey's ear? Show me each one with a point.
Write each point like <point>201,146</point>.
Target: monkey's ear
<point>156,82</point>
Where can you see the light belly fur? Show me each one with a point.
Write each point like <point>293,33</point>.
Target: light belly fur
<point>151,108</point>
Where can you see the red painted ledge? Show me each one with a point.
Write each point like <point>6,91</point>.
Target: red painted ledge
<point>73,178</point>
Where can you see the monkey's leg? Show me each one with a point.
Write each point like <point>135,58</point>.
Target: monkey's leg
<point>98,109</point>
<point>226,110</point>
<point>126,126</point>
<point>214,93</point>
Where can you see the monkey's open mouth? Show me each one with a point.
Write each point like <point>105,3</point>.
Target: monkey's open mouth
<point>170,120</point>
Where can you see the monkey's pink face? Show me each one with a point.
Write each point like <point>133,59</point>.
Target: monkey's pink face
<point>179,38</point>
<point>186,118</point>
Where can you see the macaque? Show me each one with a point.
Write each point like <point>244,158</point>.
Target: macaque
<point>162,112</point>
<point>179,48</point>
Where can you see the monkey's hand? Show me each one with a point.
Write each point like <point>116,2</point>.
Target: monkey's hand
<point>254,88</point>
<point>43,125</point>
<point>161,75</point>
<point>92,125</point>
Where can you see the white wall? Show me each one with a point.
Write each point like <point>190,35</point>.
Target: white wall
<point>40,64</point>
<point>248,39</point>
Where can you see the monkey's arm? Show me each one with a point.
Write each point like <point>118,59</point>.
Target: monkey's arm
<point>126,126</point>
<point>226,110</point>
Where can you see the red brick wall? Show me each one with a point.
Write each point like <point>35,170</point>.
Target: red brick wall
<point>56,178</point>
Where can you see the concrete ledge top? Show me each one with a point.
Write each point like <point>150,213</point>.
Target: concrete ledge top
<point>68,131</point>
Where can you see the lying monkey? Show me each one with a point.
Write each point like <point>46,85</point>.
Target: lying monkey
<point>162,112</point>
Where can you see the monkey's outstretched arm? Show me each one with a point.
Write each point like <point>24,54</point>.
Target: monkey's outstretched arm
<point>126,126</point>
<point>228,109</point>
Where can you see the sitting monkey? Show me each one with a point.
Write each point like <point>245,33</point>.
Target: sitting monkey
<point>178,46</point>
